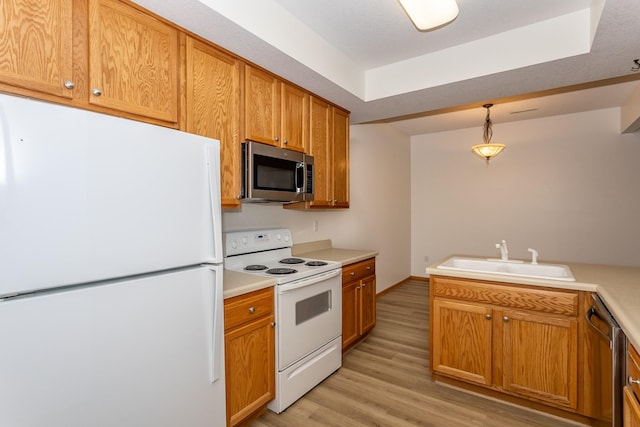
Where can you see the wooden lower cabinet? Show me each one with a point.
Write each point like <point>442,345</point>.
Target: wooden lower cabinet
<point>249,344</point>
<point>517,340</point>
<point>358,301</point>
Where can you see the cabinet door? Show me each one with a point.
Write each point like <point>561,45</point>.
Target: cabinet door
<point>462,335</point>
<point>367,304</point>
<point>340,158</point>
<point>36,45</point>
<point>213,110</point>
<point>540,357</point>
<point>631,409</point>
<point>350,313</point>
<point>294,112</point>
<point>319,146</point>
<point>262,119</point>
<point>250,368</point>
<point>133,61</point>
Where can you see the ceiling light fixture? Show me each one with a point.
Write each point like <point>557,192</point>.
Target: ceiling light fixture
<point>430,14</point>
<point>487,150</point>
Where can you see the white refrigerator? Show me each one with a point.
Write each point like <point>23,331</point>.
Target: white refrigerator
<point>110,272</point>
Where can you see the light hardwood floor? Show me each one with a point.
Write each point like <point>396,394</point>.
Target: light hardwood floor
<point>385,381</point>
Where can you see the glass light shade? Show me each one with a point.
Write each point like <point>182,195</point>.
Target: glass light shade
<point>429,14</point>
<point>487,150</point>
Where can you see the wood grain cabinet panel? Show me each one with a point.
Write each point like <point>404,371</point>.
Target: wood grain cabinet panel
<point>516,339</point>
<point>462,340</point>
<point>36,42</point>
<point>358,301</point>
<point>262,107</point>
<point>540,358</point>
<point>294,115</point>
<point>631,409</point>
<point>133,61</point>
<point>249,354</point>
<point>213,91</point>
<point>340,161</point>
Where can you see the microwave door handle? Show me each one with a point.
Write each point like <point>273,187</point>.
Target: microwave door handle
<point>299,177</point>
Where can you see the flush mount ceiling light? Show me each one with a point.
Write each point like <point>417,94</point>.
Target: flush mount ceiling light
<point>430,14</point>
<point>488,149</point>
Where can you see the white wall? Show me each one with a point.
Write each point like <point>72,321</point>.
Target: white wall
<point>378,217</point>
<point>568,186</point>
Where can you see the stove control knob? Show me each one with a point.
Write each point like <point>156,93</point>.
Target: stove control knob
<point>286,238</point>
<point>234,244</point>
<point>245,240</point>
<point>278,236</point>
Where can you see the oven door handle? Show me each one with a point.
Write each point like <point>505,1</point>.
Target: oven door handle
<point>588,315</point>
<point>309,281</point>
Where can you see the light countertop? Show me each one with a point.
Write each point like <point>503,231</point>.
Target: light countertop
<point>619,287</point>
<point>236,283</point>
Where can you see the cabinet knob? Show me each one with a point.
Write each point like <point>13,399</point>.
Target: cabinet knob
<point>273,324</point>
<point>69,84</point>
<point>353,273</point>
<point>363,285</point>
<point>505,319</point>
<point>487,316</point>
<point>96,92</point>
<point>285,142</point>
<point>276,139</point>
<point>632,381</point>
<point>252,310</point>
<point>368,267</point>
<point>335,200</point>
<point>239,196</point>
<point>358,288</point>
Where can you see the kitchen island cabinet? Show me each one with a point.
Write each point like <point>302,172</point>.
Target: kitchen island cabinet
<point>515,339</point>
<point>358,301</point>
<point>249,354</point>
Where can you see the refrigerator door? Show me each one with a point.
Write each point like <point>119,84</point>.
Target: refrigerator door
<point>127,353</point>
<point>87,197</point>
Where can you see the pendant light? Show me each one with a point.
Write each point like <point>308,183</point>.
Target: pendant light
<point>430,14</point>
<point>488,149</point>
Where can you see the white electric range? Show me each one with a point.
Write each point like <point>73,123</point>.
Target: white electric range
<point>308,307</point>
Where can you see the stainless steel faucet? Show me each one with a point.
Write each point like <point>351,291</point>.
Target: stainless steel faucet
<point>504,250</point>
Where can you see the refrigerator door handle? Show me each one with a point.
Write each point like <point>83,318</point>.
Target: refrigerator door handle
<point>213,168</point>
<point>216,355</point>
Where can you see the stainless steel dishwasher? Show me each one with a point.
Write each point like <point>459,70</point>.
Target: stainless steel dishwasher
<point>606,344</point>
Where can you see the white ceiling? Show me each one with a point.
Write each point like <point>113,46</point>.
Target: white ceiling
<point>367,56</point>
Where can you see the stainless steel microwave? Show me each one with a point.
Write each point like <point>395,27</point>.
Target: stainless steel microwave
<point>272,174</point>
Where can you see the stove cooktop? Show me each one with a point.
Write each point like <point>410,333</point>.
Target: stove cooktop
<point>268,253</point>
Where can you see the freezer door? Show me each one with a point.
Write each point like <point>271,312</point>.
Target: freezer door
<point>130,353</point>
<point>87,197</point>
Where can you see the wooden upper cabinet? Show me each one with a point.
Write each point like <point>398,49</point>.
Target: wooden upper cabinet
<point>213,93</point>
<point>262,119</point>
<point>319,146</point>
<point>340,161</point>
<point>36,45</point>
<point>276,113</point>
<point>294,113</point>
<point>133,61</point>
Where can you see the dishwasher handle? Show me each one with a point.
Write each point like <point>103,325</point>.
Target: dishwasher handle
<point>593,312</point>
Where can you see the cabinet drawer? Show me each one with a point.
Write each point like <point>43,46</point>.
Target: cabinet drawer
<point>633,369</point>
<point>358,270</point>
<point>507,295</point>
<point>248,307</point>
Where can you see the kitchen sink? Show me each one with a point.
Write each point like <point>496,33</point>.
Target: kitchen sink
<point>509,268</point>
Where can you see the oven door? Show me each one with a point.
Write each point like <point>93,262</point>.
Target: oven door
<point>309,315</point>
